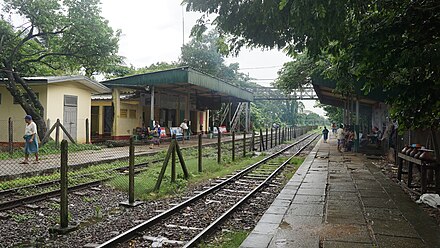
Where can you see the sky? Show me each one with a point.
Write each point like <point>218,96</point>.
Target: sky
<point>153,31</point>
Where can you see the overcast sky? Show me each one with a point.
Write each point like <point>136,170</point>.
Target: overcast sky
<point>153,30</point>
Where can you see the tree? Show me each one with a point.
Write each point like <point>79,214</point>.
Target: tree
<point>121,70</point>
<point>207,53</point>
<point>56,37</point>
<point>389,45</point>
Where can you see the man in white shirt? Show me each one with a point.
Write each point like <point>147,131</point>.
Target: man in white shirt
<point>184,127</point>
<point>340,134</point>
<point>30,137</point>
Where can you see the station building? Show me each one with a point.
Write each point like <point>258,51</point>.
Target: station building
<point>67,98</point>
<point>167,97</point>
<point>365,110</point>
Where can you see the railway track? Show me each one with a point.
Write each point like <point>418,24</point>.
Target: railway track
<point>188,223</point>
<point>19,196</point>
<point>12,198</point>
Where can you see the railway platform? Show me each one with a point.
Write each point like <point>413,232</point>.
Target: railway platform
<point>342,200</point>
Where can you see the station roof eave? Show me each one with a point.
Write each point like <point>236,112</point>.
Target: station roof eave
<point>324,89</point>
<point>183,80</point>
<point>91,84</point>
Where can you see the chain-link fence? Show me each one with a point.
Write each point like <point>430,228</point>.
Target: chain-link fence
<point>95,178</point>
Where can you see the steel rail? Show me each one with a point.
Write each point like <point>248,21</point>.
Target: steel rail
<point>223,217</point>
<point>6,205</point>
<point>133,232</point>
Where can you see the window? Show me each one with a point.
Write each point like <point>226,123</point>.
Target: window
<point>132,113</point>
<point>70,100</point>
<point>26,97</point>
<point>123,113</point>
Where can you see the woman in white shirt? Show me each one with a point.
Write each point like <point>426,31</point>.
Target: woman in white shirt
<point>30,137</point>
<point>184,127</point>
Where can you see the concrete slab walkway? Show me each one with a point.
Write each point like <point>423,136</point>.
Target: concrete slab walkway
<point>342,200</point>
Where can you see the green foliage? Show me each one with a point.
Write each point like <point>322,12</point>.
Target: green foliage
<point>334,114</point>
<point>391,46</point>
<point>21,217</point>
<point>57,37</point>
<point>296,74</point>
<point>50,148</point>
<point>123,71</point>
<point>291,25</point>
<point>207,53</point>
<point>228,240</point>
<point>53,37</point>
<point>145,182</point>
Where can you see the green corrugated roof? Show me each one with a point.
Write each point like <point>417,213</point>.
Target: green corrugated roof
<point>376,94</point>
<point>183,76</point>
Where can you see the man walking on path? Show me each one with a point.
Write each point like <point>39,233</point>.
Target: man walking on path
<point>30,137</point>
<point>340,134</point>
<point>325,134</point>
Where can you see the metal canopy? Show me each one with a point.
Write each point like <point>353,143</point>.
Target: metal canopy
<point>262,93</point>
<point>325,91</point>
<point>184,80</point>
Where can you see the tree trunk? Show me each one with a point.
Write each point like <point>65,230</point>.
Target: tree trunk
<point>37,114</point>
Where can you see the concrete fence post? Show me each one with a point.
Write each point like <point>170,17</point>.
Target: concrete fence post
<point>10,135</point>
<point>271,137</point>
<point>244,144</point>
<point>131,201</point>
<point>252,147</point>
<point>219,146</point>
<point>233,145</point>
<point>267,133</point>
<point>87,131</point>
<point>199,164</point>
<point>173,160</point>
<point>57,134</point>
<point>64,226</point>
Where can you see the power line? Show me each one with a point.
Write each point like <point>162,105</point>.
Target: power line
<point>263,79</point>
<point>261,67</point>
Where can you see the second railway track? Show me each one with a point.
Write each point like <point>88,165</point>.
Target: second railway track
<point>188,223</point>
<point>28,194</point>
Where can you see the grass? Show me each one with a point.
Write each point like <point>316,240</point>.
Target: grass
<point>48,149</point>
<point>105,170</point>
<point>145,181</point>
<point>92,172</point>
<point>21,217</point>
<point>228,240</point>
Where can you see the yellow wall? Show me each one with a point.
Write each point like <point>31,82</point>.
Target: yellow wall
<point>8,109</point>
<point>125,124</point>
<point>55,110</point>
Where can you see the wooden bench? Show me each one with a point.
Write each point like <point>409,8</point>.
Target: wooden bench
<point>424,166</point>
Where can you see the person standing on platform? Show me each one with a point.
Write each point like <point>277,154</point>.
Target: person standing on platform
<point>325,134</point>
<point>184,127</point>
<point>334,128</point>
<point>156,134</point>
<point>340,134</point>
<point>31,142</point>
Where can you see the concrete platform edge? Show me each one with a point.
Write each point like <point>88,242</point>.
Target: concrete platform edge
<point>263,233</point>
